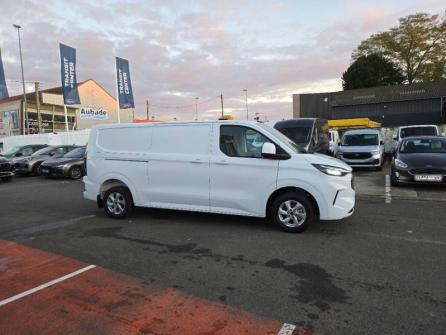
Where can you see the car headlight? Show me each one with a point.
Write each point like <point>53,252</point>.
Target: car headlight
<point>400,164</point>
<point>331,170</point>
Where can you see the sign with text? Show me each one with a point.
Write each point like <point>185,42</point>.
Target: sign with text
<point>68,75</point>
<point>125,92</point>
<point>94,114</point>
<point>3,88</point>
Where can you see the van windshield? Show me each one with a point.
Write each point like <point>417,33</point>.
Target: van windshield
<point>418,131</point>
<point>298,134</point>
<point>360,140</point>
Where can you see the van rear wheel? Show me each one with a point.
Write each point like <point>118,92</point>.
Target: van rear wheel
<point>292,212</point>
<point>118,202</point>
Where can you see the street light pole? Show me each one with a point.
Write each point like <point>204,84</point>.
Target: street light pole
<point>196,108</point>
<point>25,103</point>
<point>246,97</point>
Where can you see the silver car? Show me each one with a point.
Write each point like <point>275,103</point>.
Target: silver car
<point>362,148</point>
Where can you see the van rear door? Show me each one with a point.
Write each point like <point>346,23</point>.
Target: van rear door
<point>179,167</point>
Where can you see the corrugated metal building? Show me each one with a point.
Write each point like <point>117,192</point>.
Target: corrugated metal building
<point>392,106</point>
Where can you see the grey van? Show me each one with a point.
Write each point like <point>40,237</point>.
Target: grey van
<point>311,134</point>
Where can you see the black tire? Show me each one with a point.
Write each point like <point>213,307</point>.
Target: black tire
<point>6,179</point>
<point>36,169</point>
<point>299,204</point>
<point>76,172</point>
<point>394,180</point>
<point>117,195</point>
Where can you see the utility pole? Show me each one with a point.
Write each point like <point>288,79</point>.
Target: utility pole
<point>39,117</point>
<point>196,109</point>
<point>246,97</point>
<point>222,112</point>
<point>147,109</point>
<point>25,104</point>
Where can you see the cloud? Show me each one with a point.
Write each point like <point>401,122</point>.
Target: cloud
<point>182,50</point>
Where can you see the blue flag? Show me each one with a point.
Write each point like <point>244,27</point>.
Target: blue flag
<point>125,92</point>
<point>3,88</point>
<point>68,75</point>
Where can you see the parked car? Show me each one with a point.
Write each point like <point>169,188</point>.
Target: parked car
<point>238,168</point>
<point>6,169</point>
<point>419,159</point>
<point>333,142</point>
<point>71,165</point>
<point>22,151</point>
<point>417,130</point>
<point>362,148</point>
<point>31,164</point>
<point>311,134</point>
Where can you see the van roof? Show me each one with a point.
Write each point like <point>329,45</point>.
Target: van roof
<point>419,126</point>
<point>156,124</point>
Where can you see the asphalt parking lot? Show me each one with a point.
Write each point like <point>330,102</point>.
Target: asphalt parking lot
<point>381,271</point>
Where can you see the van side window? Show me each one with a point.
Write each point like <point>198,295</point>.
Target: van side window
<point>239,141</point>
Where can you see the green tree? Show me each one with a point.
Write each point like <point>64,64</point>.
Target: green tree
<point>417,46</point>
<point>369,71</point>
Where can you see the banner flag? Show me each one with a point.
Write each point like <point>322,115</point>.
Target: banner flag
<point>125,92</point>
<point>68,75</point>
<point>3,88</point>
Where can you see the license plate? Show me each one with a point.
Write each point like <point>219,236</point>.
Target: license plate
<point>428,177</point>
<point>45,170</point>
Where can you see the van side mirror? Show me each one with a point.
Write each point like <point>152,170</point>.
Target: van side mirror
<point>268,150</point>
<point>381,142</point>
<point>395,137</point>
<point>52,153</point>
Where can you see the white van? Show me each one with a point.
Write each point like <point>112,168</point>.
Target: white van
<point>227,167</point>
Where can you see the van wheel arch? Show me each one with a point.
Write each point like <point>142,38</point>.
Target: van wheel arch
<point>108,184</point>
<point>283,190</point>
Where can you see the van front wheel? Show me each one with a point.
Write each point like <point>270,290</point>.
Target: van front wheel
<point>118,202</point>
<point>292,212</point>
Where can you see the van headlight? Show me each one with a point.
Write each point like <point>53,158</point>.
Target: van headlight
<point>376,153</point>
<point>400,164</point>
<point>331,170</point>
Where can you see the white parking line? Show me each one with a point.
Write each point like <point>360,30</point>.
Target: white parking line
<point>43,286</point>
<point>287,329</point>
<point>387,190</point>
<point>406,239</point>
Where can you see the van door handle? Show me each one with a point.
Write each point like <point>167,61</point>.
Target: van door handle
<point>221,162</point>
<point>197,161</point>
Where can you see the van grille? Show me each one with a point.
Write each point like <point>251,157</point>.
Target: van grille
<point>357,155</point>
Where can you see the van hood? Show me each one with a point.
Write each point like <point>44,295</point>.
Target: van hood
<point>361,148</point>
<point>326,160</point>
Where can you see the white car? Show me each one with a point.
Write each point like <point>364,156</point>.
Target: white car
<point>227,167</point>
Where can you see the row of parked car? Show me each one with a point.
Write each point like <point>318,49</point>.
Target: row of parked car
<point>38,159</point>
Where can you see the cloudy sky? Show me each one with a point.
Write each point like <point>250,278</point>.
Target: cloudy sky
<point>180,50</point>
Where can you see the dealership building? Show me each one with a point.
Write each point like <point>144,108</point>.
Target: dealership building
<point>97,106</point>
<point>392,106</point>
